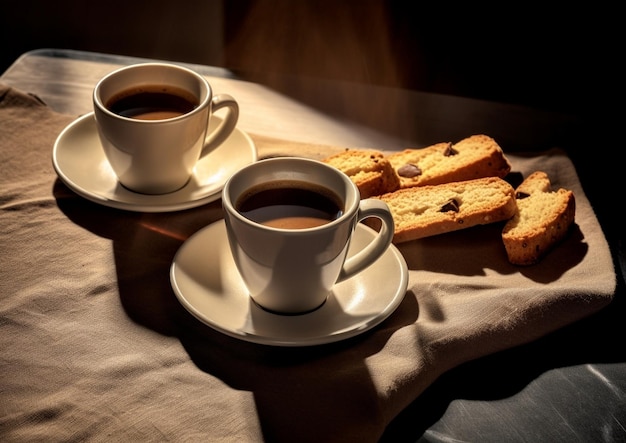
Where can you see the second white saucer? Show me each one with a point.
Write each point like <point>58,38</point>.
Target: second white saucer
<point>79,161</point>
<point>206,282</point>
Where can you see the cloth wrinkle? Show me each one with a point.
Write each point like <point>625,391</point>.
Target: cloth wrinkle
<point>94,343</point>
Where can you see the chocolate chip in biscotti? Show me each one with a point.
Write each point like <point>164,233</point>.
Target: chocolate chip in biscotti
<point>450,151</point>
<point>450,205</point>
<point>409,171</point>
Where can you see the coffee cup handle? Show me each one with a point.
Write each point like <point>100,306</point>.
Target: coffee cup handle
<point>226,127</point>
<point>376,248</point>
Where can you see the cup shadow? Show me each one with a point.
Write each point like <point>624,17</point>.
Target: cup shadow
<point>288,383</point>
<point>472,251</point>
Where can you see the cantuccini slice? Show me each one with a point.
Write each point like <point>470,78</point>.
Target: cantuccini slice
<point>368,169</point>
<point>424,211</point>
<point>473,157</point>
<point>542,220</point>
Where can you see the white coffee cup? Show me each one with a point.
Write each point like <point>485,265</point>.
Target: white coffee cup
<point>293,270</point>
<point>155,153</point>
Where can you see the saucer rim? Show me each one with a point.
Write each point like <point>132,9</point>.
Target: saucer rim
<point>347,331</point>
<point>151,201</point>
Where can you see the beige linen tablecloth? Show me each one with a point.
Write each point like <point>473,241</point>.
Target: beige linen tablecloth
<point>95,346</point>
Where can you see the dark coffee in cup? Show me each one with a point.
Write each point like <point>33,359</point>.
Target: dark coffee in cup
<point>152,102</point>
<point>290,205</point>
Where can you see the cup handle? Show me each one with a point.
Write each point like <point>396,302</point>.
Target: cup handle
<point>376,248</point>
<point>226,127</point>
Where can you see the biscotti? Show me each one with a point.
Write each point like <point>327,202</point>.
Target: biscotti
<point>429,210</point>
<point>543,218</point>
<point>473,157</point>
<point>368,169</point>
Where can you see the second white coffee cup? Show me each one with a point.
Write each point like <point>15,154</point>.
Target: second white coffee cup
<point>289,223</point>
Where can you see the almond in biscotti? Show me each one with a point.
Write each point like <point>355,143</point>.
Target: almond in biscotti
<point>543,219</point>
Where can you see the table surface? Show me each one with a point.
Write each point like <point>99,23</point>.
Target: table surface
<point>525,394</point>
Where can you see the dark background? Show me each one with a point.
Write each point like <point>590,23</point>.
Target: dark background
<point>558,59</point>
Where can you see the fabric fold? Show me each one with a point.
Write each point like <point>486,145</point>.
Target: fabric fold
<point>95,344</point>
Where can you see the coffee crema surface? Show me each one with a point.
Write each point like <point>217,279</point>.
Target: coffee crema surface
<point>152,102</point>
<point>289,204</point>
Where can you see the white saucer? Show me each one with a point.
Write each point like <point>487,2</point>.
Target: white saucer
<point>79,161</point>
<point>207,284</point>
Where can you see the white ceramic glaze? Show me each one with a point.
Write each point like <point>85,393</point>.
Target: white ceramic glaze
<point>209,286</point>
<point>79,161</point>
